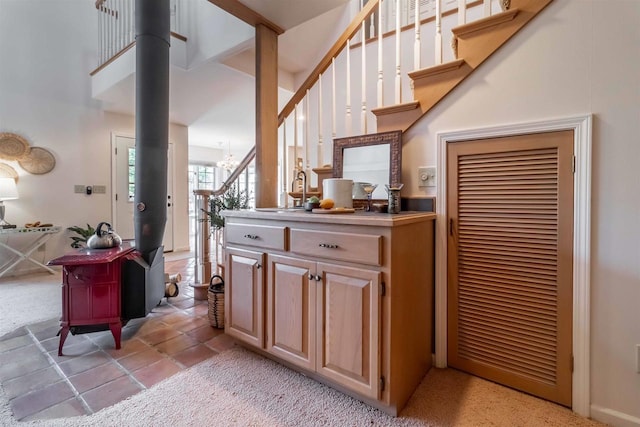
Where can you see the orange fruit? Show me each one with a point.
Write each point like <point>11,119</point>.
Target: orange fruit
<point>327,203</point>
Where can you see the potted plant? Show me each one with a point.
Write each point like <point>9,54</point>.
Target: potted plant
<point>232,199</point>
<point>80,241</point>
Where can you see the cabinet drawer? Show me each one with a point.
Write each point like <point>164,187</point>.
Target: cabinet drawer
<point>261,236</point>
<point>361,248</point>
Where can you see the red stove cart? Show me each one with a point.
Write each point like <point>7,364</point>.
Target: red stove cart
<point>91,290</point>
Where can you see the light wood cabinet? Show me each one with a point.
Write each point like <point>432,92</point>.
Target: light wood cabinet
<point>244,297</point>
<point>348,329</point>
<point>346,299</point>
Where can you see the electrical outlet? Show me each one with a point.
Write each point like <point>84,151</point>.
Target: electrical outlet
<point>79,189</point>
<point>99,189</point>
<point>427,176</point>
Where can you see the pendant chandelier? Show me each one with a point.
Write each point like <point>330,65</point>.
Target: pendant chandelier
<point>229,163</point>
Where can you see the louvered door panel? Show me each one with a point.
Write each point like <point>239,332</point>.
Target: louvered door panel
<point>510,261</point>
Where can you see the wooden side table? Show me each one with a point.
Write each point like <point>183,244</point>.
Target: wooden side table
<point>91,290</point>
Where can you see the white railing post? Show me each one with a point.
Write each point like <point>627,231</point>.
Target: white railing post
<point>380,58</point>
<point>320,159</point>
<point>398,80</point>
<point>295,136</point>
<point>306,138</point>
<point>417,44</point>
<point>462,12</point>
<point>487,7</point>
<point>363,77</point>
<point>348,106</point>
<point>284,200</point>
<point>438,38</point>
<point>333,98</point>
<point>372,26</point>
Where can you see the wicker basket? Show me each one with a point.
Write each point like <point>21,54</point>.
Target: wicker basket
<point>216,301</point>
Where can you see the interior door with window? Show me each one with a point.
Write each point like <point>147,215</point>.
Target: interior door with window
<point>125,159</point>
<point>510,255</point>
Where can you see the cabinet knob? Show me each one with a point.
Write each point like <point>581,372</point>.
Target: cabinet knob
<point>258,266</point>
<point>318,278</point>
<point>311,276</point>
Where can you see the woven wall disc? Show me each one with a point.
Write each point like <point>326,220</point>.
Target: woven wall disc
<point>13,146</point>
<point>38,162</point>
<point>7,171</point>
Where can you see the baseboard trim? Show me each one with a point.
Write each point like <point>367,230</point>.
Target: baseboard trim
<point>614,418</point>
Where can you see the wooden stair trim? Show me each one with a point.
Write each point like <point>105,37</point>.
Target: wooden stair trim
<point>436,69</point>
<point>488,22</point>
<point>397,108</point>
<point>246,14</point>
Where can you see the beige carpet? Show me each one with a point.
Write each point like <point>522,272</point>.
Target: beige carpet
<point>240,388</point>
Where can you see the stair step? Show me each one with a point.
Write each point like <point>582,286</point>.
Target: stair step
<point>488,22</point>
<point>477,41</point>
<point>436,69</point>
<point>397,117</point>
<point>397,108</point>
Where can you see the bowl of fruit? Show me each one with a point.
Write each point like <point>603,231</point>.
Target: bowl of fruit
<point>312,203</point>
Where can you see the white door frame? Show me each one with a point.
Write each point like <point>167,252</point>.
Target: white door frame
<point>170,171</point>
<point>581,126</point>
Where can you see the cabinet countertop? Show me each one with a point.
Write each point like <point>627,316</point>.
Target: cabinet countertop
<point>355,218</point>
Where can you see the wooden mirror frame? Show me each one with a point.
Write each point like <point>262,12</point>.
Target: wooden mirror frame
<point>393,138</point>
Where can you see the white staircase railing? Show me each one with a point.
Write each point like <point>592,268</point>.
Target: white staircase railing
<point>116,26</point>
<point>323,107</point>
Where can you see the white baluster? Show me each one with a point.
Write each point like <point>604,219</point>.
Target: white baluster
<point>487,7</point>
<point>100,53</point>
<point>119,25</point>
<point>320,159</point>
<point>363,114</point>
<point>333,97</point>
<point>348,106</point>
<point>132,14</point>
<point>372,26</point>
<point>284,200</point>
<point>398,81</point>
<point>416,44</point>
<point>438,40</point>
<point>307,138</point>
<point>462,12</point>
<point>380,58</point>
<point>295,135</point>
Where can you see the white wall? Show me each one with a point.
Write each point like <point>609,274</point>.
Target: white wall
<point>577,57</point>
<point>47,51</point>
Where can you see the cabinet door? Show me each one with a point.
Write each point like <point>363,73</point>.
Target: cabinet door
<point>348,327</point>
<point>244,296</point>
<point>291,310</point>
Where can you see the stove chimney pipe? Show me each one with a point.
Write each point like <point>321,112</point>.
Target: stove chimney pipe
<point>152,123</point>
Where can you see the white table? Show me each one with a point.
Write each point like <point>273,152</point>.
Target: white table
<point>42,234</point>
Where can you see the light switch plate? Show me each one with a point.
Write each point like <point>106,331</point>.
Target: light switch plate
<point>99,189</point>
<point>79,189</point>
<point>427,176</point>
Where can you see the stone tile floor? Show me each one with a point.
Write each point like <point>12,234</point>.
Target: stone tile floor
<point>92,374</point>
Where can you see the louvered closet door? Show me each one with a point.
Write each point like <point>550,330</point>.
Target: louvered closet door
<point>510,206</point>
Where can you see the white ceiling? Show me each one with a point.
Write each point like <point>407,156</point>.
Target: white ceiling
<point>215,99</point>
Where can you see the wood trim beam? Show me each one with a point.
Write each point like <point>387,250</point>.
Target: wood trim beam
<point>245,14</point>
<point>266,117</point>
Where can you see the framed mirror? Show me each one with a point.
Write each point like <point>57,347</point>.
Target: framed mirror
<point>374,159</point>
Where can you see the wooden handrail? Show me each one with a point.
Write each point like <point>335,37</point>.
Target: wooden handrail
<point>337,47</point>
<point>234,175</point>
